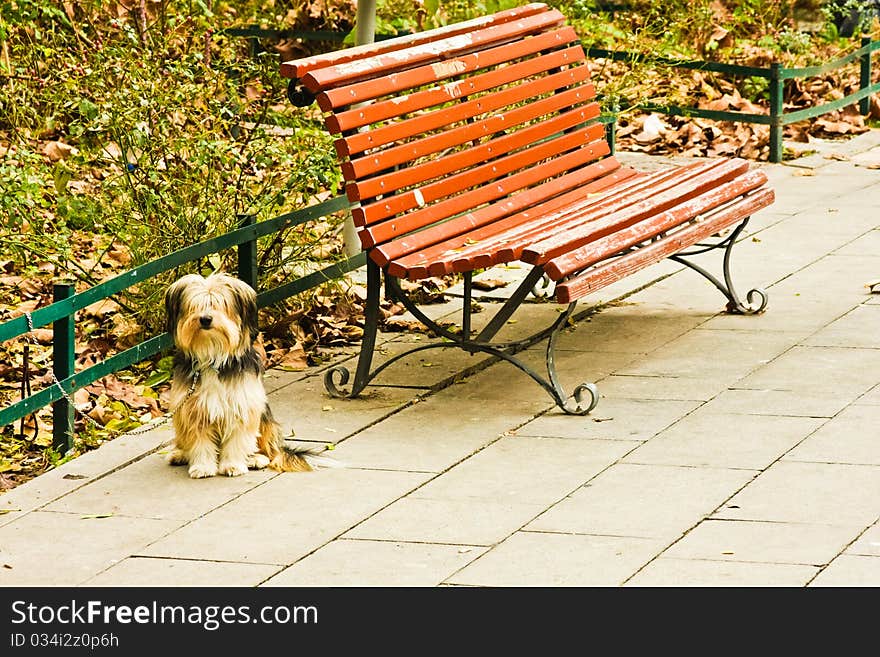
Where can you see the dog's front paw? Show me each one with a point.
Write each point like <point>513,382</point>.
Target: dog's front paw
<point>231,469</point>
<point>202,471</point>
<point>257,461</point>
<point>177,457</point>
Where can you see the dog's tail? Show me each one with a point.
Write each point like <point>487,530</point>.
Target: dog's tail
<point>284,458</point>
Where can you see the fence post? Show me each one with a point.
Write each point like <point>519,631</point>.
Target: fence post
<point>63,356</point>
<point>247,254</point>
<point>611,129</point>
<point>775,113</point>
<point>865,76</point>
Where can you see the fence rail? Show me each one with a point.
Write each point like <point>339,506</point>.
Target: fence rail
<point>62,311</point>
<point>776,75</point>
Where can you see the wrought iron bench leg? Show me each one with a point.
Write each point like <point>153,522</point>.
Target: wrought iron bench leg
<point>752,306</point>
<point>337,377</point>
<point>362,374</point>
<point>575,404</point>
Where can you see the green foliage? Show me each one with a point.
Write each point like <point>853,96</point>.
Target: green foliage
<point>756,88</point>
<point>175,130</point>
<point>402,16</point>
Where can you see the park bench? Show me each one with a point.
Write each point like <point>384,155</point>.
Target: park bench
<point>481,143</point>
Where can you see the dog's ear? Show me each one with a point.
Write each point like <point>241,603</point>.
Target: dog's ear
<point>173,301</point>
<point>250,319</point>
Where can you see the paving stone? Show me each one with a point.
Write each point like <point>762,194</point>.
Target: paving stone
<point>850,571</point>
<point>837,372</point>
<point>310,414</point>
<point>377,563</point>
<point>612,419</point>
<point>547,559</point>
<point>631,327</point>
<point>797,314</point>
<point>60,549</point>
<point>702,573</point>
<point>768,542</point>
<point>849,437</point>
<point>402,442</point>
<point>524,469</point>
<point>866,244</point>
<point>724,440</point>
<point>729,355</point>
<point>674,388</point>
<point>821,493</point>
<point>576,364</point>
<point>868,544</point>
<point>858,328</point>
<point>144,571</point>
<point>832,276</point>
<point>871,397</point>
<point>649,501</point>
<point>426,368</point>
<point>794,304</point>
<point>85,468</point>
<point>287,517</point>
<point>9,514</point>
<point>451,521</point>
<point>803,403</point>
<point>134,490</point>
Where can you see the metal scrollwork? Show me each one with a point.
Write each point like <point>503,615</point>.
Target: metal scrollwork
<point>333,387</point>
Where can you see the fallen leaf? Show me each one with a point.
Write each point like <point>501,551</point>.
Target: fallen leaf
<point>100,309</point>
<point>58,150</point>
<point>489,284</point>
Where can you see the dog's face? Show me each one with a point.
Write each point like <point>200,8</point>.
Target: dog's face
<point>211,318</point>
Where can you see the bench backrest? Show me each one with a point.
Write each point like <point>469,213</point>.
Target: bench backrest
<point>459,127</point>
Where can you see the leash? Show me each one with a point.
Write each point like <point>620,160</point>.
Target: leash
<point>149,426</point>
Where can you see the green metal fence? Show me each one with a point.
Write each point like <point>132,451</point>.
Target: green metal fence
<point>61,313</point>
<point>776,75</point>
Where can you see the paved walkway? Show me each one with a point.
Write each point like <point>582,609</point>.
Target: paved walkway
<point>725,450</point>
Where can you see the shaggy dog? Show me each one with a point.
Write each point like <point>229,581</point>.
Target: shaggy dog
<point>222,420</point>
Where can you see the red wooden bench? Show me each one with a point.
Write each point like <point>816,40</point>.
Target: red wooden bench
<point>480,143</point>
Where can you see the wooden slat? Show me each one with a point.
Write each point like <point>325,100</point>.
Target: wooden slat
<point>470,177</point>
<point>605,274</point>
<point>387,183</point>
<point>479,248</point>
<point>574,208</point>
<point>297,68</point>
<point>595,197</point>
<point>379,65</point>
<point>599,250</point>
<point>464,110</point>
<point>585,209</point>
<point>577,235</point>
<point>375,162</point>
<point>398,226</point>
<point>405,103</point>
<point>513,233</point>
<point>521,202</point>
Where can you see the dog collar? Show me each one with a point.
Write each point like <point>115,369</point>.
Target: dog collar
<point>197,367</point>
